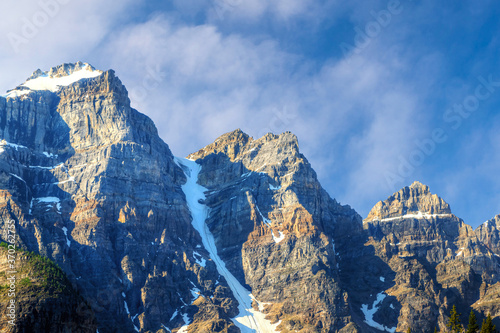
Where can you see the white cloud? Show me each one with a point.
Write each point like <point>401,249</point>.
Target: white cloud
<point>354,117</point>
<point>356,113</point>
<point>210,83</point>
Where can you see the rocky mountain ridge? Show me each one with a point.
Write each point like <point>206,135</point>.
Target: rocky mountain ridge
<point>238,237</point>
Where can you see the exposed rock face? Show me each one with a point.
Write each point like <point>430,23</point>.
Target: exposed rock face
<point>422,257</point>
<point>413,199</point>
<point>92,186</point>
<point>275,228</point>
<point>489,234</point>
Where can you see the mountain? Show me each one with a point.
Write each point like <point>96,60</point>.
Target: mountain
<point>91,186</point>
<point>274,227</point>
<point>237,237</point>
<point>426,260</point>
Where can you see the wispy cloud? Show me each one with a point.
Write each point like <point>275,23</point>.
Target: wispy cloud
<point>200,69</point>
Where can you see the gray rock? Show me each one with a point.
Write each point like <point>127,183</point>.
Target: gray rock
<point>92,186</point>
<point>275,228</point>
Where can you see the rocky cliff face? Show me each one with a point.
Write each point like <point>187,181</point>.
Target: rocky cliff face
<point>489,234</point>
<point>419,259</point>
<point>92,186</point>
<point>275,228</point>
<point>239,237</point>
<point>415,199</point>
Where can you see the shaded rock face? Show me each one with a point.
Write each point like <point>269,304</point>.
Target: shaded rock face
<point>275,228</point>
<point>92,186</point>
<point>422,258</point>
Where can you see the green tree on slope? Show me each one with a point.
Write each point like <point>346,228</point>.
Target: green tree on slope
<point>454,322</point>
<point>473,327</point>
<point>488,326</point>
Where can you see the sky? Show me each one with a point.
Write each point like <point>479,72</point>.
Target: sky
<point>379,93</point>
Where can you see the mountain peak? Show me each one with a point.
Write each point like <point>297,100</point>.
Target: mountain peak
<point>415,200</point>
<point>53,79</point>
<point>419,185</point>
<point>63,70</point>
<point>235,136</point>
<point>235,143</point>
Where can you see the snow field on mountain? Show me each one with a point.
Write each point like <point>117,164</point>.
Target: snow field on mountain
<point>45,82</point>
<point>248,320</point>
<point>370,312</point>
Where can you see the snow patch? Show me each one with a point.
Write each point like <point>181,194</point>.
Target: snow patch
<point>195,292</point>
<point>268,223</point>
<point>17,177</point>
<point>370,312</point>
<point>45,82</point>
<point>248,320</point>
<point>382,279</point>
<point>50,201</point>
<point>16,93</point>
<point>68,242</point>
<point>184,328</point>
<point>419,215</point>
<point>49,155</point>
<point>274,188</point>
<point>264,219</point>
<point>174,315</point>
<point>202,262</point>
<point>70,179</point>
<point>278,239</point>
<point>47,168</point>
<point>13,145</point>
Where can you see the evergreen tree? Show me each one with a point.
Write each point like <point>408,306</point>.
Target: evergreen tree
<point>473,326</point>
<point>435,330</point>
<point>408,330</point>
<point>488,326</point>
<point>454,323</point>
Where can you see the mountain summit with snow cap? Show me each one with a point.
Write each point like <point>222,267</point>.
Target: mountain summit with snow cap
<point>239,237</point>
<point>53,79</point>
<point>415,200</point>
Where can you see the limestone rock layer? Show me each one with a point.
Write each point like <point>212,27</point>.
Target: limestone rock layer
<point>91,187</point>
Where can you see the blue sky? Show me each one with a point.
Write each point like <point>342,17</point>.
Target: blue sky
<point>380,93</point>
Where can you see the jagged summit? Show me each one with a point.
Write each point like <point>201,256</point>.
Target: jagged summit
<point>414,201</point>
<point>489,233</point>
<point>53,79</point>
<point>237,144</point>
<point>242,238</point>
<point>63,70</point>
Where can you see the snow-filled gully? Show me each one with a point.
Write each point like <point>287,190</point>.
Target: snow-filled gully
<point>248,320</point>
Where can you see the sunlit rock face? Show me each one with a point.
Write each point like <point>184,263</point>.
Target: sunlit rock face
<point>92,187</point>
<point>238,237</point>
